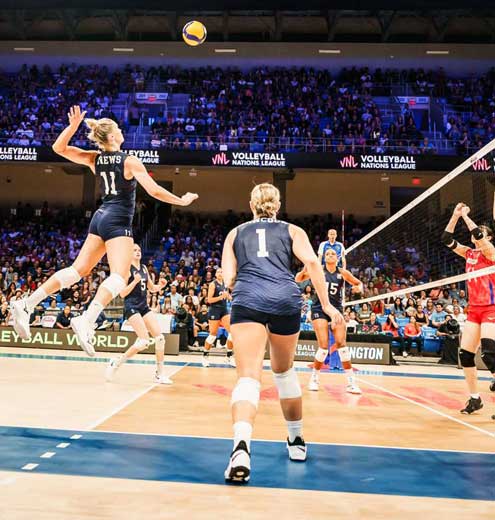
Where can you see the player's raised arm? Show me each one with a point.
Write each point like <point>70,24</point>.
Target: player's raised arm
<point>479,234</point>
<point>229,260</point>
<point>138,171</point>
<point>74,154</point>
<point>303,250</point>
<point>448,235</point>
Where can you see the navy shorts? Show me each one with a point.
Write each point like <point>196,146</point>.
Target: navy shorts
<point>283,325</point>
<point>216,314</point>
<point>107,225</point>
<point>130,310</point>
<point>318,314</point>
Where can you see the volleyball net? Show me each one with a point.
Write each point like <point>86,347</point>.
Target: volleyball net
<point>405,255</point>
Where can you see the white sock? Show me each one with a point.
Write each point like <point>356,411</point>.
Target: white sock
<point>242,432</point>
<point>349,372</point>
<point>315,372</point>
<point>159,369</point>
<point>94,310</point>
<point>37,297</point>
<point>475,396</point>
<point>121,360</point>
<point>295,429</point>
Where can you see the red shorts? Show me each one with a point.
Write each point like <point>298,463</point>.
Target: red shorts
<point>481,314</point>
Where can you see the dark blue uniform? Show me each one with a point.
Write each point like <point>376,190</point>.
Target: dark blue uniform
<point>135,302</point>
<point>114,217</point>
<point>218,310</point>
<point>335,281</point>
<point>265,291</point>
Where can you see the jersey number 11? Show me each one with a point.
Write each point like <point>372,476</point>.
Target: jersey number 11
<point>109,188</point>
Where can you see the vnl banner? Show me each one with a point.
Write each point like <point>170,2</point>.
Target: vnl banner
<point>241,159</point>
<point>105,341</point>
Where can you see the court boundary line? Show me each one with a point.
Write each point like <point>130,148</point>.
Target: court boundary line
<point>121,407</point>
<point>275,441</point>
<point>194,364</point>
<point>429,408</point>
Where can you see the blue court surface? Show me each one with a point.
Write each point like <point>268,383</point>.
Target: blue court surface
<point>355,469</point>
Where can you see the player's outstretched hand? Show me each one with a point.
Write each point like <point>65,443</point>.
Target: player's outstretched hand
<point>162,282</point>
<point>189,198</point>
<point>465,211</point>
<point>458,209</point>
<point>76,117</point>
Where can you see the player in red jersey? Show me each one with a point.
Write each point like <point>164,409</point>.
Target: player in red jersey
<point>480,324</point>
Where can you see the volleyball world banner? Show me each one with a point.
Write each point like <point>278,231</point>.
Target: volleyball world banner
<point>272,160</point>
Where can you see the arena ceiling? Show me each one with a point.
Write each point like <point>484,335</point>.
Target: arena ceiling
<point>456,21</point>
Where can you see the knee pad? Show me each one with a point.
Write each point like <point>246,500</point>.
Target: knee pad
<point>114,284</point>
<point>287,384</point>
<point>141,344</point>
<point>159,342</point>
<point>321,355</point>
<point>67,277</point>
<point>211,339</point>
<point>345,354</point>
<point>488,353</point>
<point>246,389</point>
<point>467,358</point>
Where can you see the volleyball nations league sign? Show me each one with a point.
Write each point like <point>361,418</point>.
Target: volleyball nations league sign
<point>247,159</point>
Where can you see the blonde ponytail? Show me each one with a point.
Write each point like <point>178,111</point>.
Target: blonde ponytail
<point>265,200</point>
<point>99,130</point>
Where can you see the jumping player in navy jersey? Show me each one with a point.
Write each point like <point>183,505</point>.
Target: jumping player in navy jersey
<point>218,314</point>
<point>335,278</point>
<point>110,230</point>
<point>141,319</point>
<point>256,262</point>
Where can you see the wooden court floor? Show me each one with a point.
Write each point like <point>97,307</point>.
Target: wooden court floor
<point>74,446</point>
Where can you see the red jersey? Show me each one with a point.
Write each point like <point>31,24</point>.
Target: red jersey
<point>481,291</point>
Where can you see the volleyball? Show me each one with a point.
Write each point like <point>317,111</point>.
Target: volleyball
<point>194,33</point>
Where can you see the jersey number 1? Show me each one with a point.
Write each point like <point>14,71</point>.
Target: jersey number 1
<point>262,252</point>
<point>109,188</point>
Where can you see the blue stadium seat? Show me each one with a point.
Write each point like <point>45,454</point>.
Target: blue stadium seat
<point>402,322</point>
<point>431,342</point>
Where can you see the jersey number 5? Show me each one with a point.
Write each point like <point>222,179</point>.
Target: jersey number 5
<point>109,188</point>
<point>262,252</point>
<point>334,288</point>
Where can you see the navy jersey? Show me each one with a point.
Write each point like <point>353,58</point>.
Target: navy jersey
<point>335,282</point>
<point>219,290</point>
<point>118,193</point>
<point>137,296</point>
<point>264,281</point>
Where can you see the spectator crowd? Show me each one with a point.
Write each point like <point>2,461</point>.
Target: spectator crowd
<point>32,247</point>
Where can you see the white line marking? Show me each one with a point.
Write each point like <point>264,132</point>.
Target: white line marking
<point>76,436</point>
<point>119,408</point>
<point>7,481</point>
<point>382,447</point>
<point>47,455</point>
<point>430,409</point>
<point>63,445</point>
<point>30,467</point>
